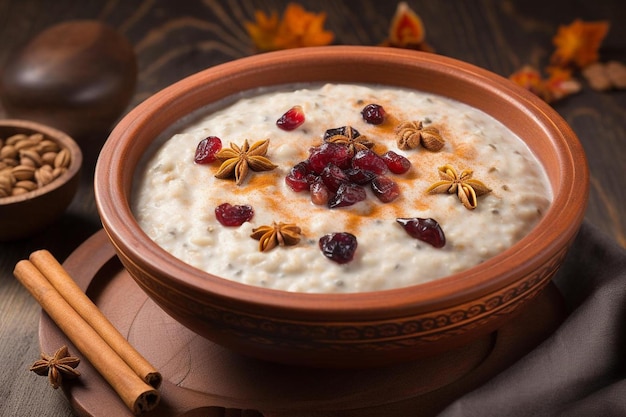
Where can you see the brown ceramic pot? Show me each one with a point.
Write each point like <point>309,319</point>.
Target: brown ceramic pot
<point>347,330</point>
<point>26,214</point>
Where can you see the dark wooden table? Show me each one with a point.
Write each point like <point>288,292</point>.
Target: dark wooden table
<point>175,39</point>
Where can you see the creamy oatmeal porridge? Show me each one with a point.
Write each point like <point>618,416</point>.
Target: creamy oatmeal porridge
<point>175,199</point>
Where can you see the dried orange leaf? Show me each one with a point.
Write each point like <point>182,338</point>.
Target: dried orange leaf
<point>577,44</point>
<point>297,28</point>
<point>531,79</point>
<point>558,85</point>
<point>407,30</point>
<point>263,31</point>
<point>406,27</point>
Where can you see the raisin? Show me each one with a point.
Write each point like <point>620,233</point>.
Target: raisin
<point>396,163</point>
<point>319,193</point>
<point>207,149</point>
<point>385,188</point>
<point>327,153</point>
<point>300,177</point>
<point>347,195</point>
<point>373,114</point>
<point>333,177</point>
<point>292,119</point>
<point>338,247</point>
<point>233,215</point>
<point>426,230</point>
<point>369,161</point>
<point>360,176</point>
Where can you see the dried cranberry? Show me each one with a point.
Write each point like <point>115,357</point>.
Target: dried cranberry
<point>300,177</point>
<point>427,230</point>
<point>360,176</point>
<point>206,150</point>
<point>347,195</point>
<point>292,119</point>
<point>233,215</point>
<point>333,177</point>
<point>341,131</point>
<point>327,153</point>
<point>396,163</point>
<point>338,247</point>
<point>319,193</point>
<point>385,188</point>
<point>373,114</point>
<point>369,161</point>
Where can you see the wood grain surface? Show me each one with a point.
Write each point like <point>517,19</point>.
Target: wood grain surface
<point>175,39</point>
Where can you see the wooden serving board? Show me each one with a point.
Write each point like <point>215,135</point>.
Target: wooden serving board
<point>202,378</point>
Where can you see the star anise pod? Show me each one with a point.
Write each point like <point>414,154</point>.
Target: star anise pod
<point>412,134</point>
<point>60,365</point>
<point>466,187</point>
<point>278,234</point>
<point>237,161</point>
<point>350,137</point>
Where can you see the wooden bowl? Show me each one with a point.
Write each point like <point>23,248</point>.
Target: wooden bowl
<point>77,76</point>
<point>25,214</point>
<point>362,329</point>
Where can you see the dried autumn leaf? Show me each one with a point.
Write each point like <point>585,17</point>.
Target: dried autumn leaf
<point>297,28</point>
<point>558,85</point>
<point>529,78</point>
<point>263,31</point>
<point>577,44</point>
<point>407,30</point>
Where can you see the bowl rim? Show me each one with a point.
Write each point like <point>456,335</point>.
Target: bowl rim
<point>455,289</point>
<point>64,140</point>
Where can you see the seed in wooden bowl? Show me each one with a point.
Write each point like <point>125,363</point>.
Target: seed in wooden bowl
<point>28,162</point>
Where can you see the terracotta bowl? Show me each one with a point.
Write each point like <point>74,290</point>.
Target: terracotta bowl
<point>347,330</point>
<point>27,213</point>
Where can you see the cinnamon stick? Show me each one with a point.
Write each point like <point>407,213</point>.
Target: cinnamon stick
<point>71,292</point>
<point>134,392</point>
